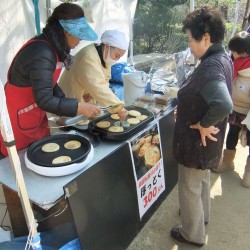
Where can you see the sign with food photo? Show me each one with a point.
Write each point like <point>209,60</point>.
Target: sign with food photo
<point>147,161</point>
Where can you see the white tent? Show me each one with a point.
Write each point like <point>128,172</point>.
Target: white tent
<point>17,22</point>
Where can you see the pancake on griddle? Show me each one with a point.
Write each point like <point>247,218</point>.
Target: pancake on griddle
<point>83,123</point>
<point>116,129</point>
<point>61,159</point>
<point>134,113</point>
<point>133,121</point>
<point>50,147</point>
<point>103,124</point>
<point>72,144</point>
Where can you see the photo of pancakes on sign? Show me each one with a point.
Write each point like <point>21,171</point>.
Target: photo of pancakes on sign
<point>146,150</point>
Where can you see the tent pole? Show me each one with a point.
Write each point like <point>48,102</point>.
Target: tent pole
<point>48,8</point>
<point>131,46</point>
<point>191,5</point>
<point>8,136</point>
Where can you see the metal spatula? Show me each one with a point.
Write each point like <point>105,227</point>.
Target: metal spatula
<point>62,122</point>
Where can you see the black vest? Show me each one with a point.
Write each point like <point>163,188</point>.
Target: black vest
<point>187,146</point>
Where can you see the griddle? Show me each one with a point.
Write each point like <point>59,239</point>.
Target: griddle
<point>38,157</point>
<point>127,133</point>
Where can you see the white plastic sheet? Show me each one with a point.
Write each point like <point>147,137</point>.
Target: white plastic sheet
<point>17,23</point>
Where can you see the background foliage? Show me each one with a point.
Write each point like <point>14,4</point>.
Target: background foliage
<point>158,23</point>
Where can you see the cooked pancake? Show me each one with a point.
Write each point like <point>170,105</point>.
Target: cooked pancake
<point>124,124</point>
<point>143,148</point>
<point>151,155</point>
<point>115,116</point>
<point>50,147</point>
<point>72,144</point>
<point>116,129</point>
<point>103,124</point>
<point>134,113</point>
<point>142,117</point>
<point>133,120</point>
<point>61,159</point>
<point>116,108</point>
<point>83,122</point>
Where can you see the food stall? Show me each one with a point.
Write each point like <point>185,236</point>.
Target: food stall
<point>101,200</point>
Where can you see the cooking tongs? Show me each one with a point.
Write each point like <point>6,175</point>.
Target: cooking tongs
<point>113,108</point>
<point>104,108</point>
<point>62,122</point>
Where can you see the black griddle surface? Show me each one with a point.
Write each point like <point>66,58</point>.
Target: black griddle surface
<point>38,157</point>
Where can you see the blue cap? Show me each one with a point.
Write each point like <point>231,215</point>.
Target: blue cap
<point>79,28</point>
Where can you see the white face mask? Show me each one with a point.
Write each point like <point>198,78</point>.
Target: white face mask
<point>109,61</point>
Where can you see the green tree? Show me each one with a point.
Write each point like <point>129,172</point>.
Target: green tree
<point>157,24</point>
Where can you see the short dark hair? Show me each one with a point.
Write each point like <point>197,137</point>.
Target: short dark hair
<point>64,11</point>
<point>240,43</point>
<point>67,11</point>
<point>205,20</point>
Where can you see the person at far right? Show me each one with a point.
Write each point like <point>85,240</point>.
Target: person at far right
<point>203,105</point>
<point>239,45</point>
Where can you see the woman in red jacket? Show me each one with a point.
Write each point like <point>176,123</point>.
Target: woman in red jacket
<point>31,89</point>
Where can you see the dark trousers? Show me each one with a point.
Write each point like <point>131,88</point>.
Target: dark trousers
<point>233,137</point>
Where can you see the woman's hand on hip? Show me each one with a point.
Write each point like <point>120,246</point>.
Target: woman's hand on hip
<point>88,109</point>
<point>206,132</point>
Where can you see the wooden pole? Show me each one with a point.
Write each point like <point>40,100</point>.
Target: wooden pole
<point>8,136</point>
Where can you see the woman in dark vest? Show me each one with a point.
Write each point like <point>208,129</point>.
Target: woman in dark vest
<point>31,89</point>
<point>204,103</point>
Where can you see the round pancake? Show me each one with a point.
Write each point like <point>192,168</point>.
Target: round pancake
<point>61,159</point>
<point>143,148</point>
<point>50,147</point>
<point>83,123</point>
<point>142,117</point>
<point>133,120</point>
<point>152,155</point>
<point>115,116</point>
<point>103,124</point>
<point>134,113</point>
<point>124,124</point>
<point>116,108</point>
<point>72,144</point>
<point>116,129</point>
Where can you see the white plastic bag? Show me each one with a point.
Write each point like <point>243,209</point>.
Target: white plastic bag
<point>243,137</point>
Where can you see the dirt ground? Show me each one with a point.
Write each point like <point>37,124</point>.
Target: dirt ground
<point>228,229</point>
<point>229,226</point>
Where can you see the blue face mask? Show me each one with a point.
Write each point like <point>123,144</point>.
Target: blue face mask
<point>109,61</point>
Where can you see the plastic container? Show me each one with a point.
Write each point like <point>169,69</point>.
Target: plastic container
<point>134,86</point>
